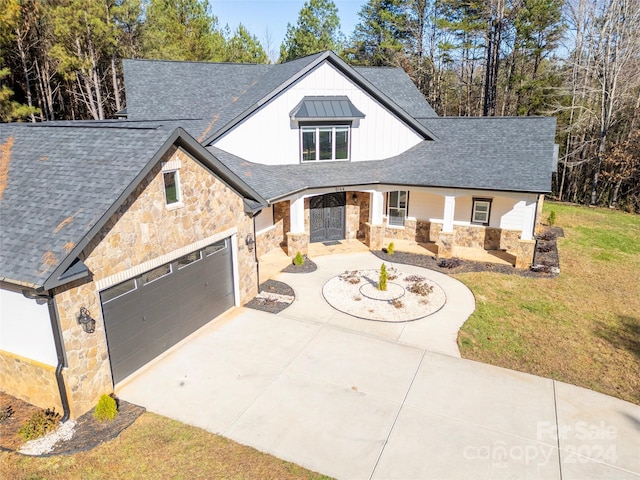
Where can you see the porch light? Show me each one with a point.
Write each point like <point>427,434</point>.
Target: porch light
<point>354,197</point>
<point>250,242</point>
<point>84,319</point>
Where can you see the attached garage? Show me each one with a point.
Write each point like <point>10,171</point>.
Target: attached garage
<point>146,315</point>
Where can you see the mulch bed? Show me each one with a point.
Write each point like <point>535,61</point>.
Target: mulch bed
<point>307,267</point>
<point>546,263</point>
<point>88,432</point>
<point>271,306</point>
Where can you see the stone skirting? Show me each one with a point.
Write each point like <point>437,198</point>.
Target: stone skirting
<point>445,243</point>
<point>524,253</point>
<point>30,381</point>
<point>269,239</point>
<point>408,232</point>
<point>297,242</point>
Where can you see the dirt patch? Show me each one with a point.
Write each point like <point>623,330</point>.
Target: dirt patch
<point>88,432</point>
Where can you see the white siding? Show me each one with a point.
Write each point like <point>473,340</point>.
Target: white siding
<point>25,328</point>
<point>265,219</point>
<point>425,206</point>
<point>270,137</point>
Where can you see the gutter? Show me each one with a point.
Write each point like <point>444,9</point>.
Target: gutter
<point>57,340</point>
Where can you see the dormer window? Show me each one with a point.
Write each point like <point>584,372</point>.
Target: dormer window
<point>325,143</point>
<point>325,127</point>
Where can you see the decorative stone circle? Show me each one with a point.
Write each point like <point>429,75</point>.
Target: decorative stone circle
<point>356,293</point>
<point>392,292</point>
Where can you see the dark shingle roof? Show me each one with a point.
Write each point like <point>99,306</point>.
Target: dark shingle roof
<point>497,153</point>
<point>64,181</point>
<point>397,85</point>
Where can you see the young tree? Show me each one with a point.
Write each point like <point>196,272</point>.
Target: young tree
<point>181,30</point>
<point>243,47</point>
<point>317,29</point>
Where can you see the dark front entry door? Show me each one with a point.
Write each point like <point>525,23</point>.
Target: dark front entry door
<point>327,214</point>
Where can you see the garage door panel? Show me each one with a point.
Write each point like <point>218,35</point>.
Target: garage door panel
<point>166,307</point>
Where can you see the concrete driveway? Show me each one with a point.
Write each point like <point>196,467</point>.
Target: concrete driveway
<point>352,405</point>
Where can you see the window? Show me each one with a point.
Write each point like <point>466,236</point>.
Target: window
<point>156,274</point>
<point>325,143</point>
<point>118,290</point>
<point>171,187</point>
<point>481,211</point>
<point>397,210</point>
<point>214,247</point>
<point>188,259</point>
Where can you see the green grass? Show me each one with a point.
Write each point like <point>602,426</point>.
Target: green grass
<point>157,447</point>
<point>582,327</point>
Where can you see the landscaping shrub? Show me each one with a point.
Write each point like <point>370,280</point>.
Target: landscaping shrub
<point>551,219</point>
<point>107,408</point>
<point>420,288</point>
<point>39,424</point>
<point>397,303</point>
<point>391,248</point>
<point>382,283</point>
<point>298,260</point>
<point>6,412</point>
<point>450,262</point>
<point>414,278</point>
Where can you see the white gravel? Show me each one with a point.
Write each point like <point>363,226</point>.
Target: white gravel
<point>45,444</point>
<point>274,297</point>
<point>355,293</point>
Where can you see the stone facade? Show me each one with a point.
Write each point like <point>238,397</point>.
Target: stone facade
<point>297,242</point>
<point>408,232</point>
<point>142,229</point>
<point>269,240</point>
<point>373,236</point>
<point>31,381</point>
<point>364,199</point>
<point>524,253</point>
<point>352,216</point>
<point>445,243</point>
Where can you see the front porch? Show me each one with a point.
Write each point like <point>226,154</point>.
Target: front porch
<point>431,223</point>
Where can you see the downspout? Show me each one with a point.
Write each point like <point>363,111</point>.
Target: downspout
<point>255,249</point>
<point>57,338</point>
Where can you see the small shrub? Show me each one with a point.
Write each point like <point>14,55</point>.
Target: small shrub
<point>107,408</point>
<point>450,262</point>
<point>391,248</point>
<point>298,260</point>
<point>382,283</point>
<point>420,288</point>
<point>352,277</point>
<point>6,412</point>
<point>551,219</point>
<point>39,424</point>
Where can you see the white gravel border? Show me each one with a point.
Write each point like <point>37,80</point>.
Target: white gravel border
<point>45,444</point>
<point>343,293</point>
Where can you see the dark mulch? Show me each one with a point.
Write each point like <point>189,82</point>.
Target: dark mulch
<point>88,432</point>
<point>307,267</point>
<point>546,262</point>
<point>272,306</point>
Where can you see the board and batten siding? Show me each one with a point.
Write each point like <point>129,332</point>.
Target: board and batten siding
<point>25,328</point>
<point>270,137</point>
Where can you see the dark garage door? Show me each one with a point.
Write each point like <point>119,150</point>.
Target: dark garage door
<point>146,315</point>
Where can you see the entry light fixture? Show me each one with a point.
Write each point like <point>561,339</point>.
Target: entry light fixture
<point>354,197</point>
<point>84,319</point>
<point>250,242</point>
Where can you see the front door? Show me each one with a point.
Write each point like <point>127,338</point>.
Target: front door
<point>327,214</point>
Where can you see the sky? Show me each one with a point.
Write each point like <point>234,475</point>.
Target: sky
<point>265,18</point>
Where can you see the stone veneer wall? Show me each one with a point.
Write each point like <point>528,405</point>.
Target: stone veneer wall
<point>281,214</point>
<point>364,201</point>
<point>352,217</point>
<point>408,232</point>
<point>143,229</point>
<point>31,381</point>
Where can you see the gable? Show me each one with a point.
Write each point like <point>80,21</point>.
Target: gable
<point>270,137</point>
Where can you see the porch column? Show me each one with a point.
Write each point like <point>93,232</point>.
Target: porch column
<point>446,238</point>
<point>374,229</point>
<point>526,245</point>
<point>297,238</point>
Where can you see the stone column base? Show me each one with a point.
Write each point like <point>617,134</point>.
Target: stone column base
<point>373,236</point>
<point>524,253</point>
<point>297,242</point>
<point>445,243</point>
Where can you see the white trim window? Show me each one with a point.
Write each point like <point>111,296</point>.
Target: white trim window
<point>481,211</point>
<point>172,192</point>
<point>397,204</point>
<point>324,143</point>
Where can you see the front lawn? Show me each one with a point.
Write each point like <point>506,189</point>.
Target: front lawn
<point>156,447</point>
<point>582,327</point>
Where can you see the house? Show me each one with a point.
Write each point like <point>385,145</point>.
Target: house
<point>121,238</point>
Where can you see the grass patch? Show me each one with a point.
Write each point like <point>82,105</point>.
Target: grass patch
<point>157,447</point>
<point>582,327</point>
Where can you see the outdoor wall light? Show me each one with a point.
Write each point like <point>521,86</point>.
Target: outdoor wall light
<point>354,197</point>
<point>84,319</point>
<point>250,242</point>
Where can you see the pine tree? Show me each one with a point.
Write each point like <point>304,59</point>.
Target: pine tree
<point>243,47</point>
<point>318,29</point>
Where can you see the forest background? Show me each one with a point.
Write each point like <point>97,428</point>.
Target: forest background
<point>576,60</point>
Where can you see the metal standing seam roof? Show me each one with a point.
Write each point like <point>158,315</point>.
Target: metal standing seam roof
<point>326,108</point>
